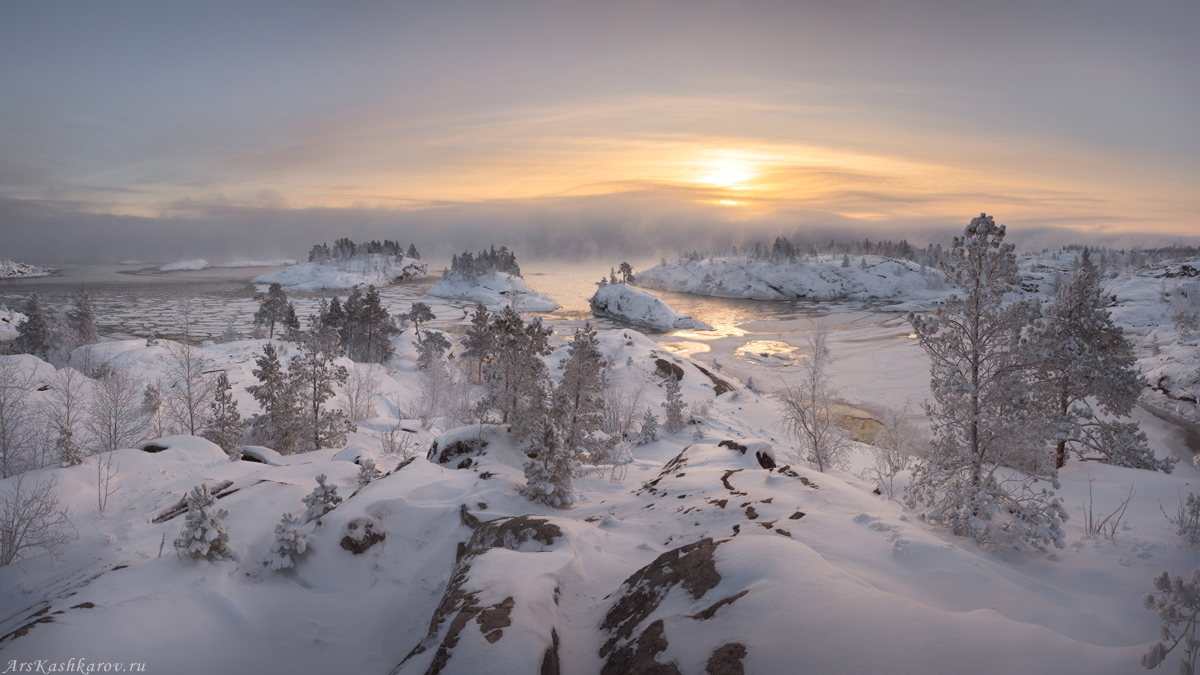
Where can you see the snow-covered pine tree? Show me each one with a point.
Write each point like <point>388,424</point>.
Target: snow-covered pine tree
<point>516,377</point>
<point>367,471</point>
<point>985,460</point>
<point>862,263</point>
<point>276,425</point>
<point>82,318</point>
<point>649,430</point>
<point>413,253</point>
<point>549,469</point>
<point>578,403</point>
<point>845,260</point>
<point>230,333</point>
<point>312,376</point>
<point>320,501</point>
<point>478,341</point>
<point>431,349</point>
<point>1076,355</point>
<point>33,334</point>
<point>152,410</point>
<point>289,545</point>
<point>371,328</point>
<point>225,424</point>
<point>272,308</point>
<point>1178,605</point>
<point>69,452</point>
<point>203,534</point>
<point>418,313</point>
<point>675,420</point>
<point>291,324</point>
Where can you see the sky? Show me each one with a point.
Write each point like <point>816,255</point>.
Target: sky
<point>133,129</point>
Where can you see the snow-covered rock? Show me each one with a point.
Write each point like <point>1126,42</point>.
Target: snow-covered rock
<point>822,279</point>
<point>378,270</point>
<point>9,320</point>
<point>10,269</point>
<point>495,290</point>
<point>638,307</point>
<point>185,266</point>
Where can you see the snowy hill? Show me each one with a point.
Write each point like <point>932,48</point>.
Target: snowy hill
<point>185,266</point>
<point>640,308</point>
<point>702,553</point>
<point>822,279</point>
<point>378,270</point>
<point>495,290</point>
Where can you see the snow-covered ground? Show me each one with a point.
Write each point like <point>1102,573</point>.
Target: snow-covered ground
<point>10,269</point>
<point>820,278</point>
<point>282,262</point>
<point>185,266</point>
<point>693,554</point>
<point>378,270</point>
<point>635,306</point>
<point>495,290</point>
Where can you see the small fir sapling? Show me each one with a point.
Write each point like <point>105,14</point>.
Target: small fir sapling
<point>1177,604</point>
<point>203,534</point>
<point>649,430</point>
<point>675,421</point>
<point>367,471</point>
<point>549,469</point>
<point>69,452</point>
<point>289,546</point>
<point>321,500</point>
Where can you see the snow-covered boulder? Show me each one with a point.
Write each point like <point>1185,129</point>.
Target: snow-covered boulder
<point>9,320</point>
<point>495,290</point>
<point>378,270</point>
<point>185,448</point>
<point>185,266</point>
<point>624,302</point>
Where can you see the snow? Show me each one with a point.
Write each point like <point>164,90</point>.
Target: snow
<point>495,290</point>
<point>282,262</point>
<point>640,308</point>
<point>823,278</point>
<point>185,266</point>
<point>9,320</point>
<point>855,584</point>
<point>375,270</point>
<point>18,270</point>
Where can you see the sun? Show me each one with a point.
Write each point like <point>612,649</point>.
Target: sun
<point>727,172</point>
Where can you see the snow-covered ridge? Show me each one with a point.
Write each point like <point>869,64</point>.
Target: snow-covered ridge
<point>185,266</point>
<point>495,290</point>
<point>10,269</point>
<point>624,302</point>
<point>378,270</point>
<point>823,279</point>
<point>9,319</point>
<point>282,262</point>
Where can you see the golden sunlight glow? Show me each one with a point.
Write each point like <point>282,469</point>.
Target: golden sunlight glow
<point>728,202</point>
<point>727,171</point>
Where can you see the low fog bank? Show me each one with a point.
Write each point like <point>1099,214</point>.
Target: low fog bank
<point>586,228</point>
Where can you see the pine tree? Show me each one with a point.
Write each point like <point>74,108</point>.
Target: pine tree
<point>276,425</point>
<point>1077,354</point>
<point>289,546</point>
<point>626,272</point>
<point>549,470</point>
<point>984,461</point>
<point>517,378</point>
<point>578,406</point>
<point>320,501</point>
<point>420,312</point>
<point>313,375</point>
<point>649,430</point>
<point>371,328</point>
<point>367,471</point>
<point>478,342</point>
<point>33,334</point>
<point>845,260</point>
<point>862,263</point>
<point>675,421</point>
<point>272,307</point>
<point>291,324</point>
<point>432,349</point>
<point>413,253</point>
<point>225,425</point>
<point>203,534</point>
<point>69,452</point>
<point>82,319</point>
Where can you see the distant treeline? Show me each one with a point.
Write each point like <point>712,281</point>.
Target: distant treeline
<point>345,249</point>
<point>469,267</point>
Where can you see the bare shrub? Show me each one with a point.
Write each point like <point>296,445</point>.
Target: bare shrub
<point>362,386</point>
<point>115,412</point>
<point>17,420</point>
<point>30,519</point>
<point>1108,525</point>
<point>807,413</point>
